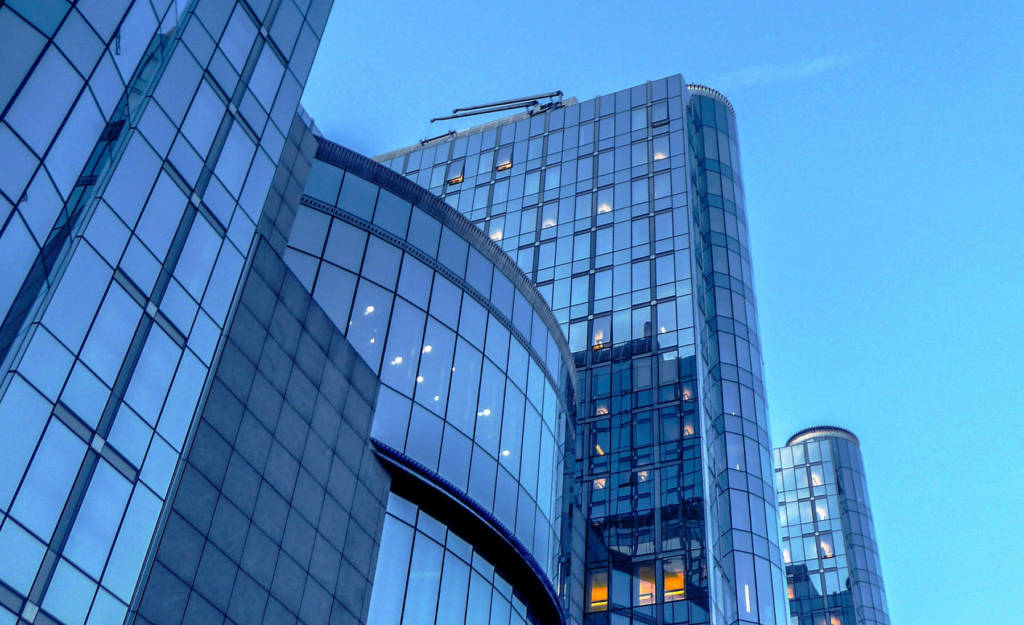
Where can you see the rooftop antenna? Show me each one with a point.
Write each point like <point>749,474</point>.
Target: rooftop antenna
<point>527,102</point>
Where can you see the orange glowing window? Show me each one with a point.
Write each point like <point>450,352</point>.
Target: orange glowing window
<point>597,593</point>
<point>675,580</point>
<point>789,591</point>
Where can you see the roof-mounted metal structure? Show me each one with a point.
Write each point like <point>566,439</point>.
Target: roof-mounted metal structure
<point>527,102</point>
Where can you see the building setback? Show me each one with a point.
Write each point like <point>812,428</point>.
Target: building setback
<point>833,573</point>
<point>511,375</point>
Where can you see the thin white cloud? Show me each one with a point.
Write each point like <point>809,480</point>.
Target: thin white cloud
<point>770,73</point>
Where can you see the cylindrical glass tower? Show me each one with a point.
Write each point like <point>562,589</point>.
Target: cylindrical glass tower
<point>833,574</point>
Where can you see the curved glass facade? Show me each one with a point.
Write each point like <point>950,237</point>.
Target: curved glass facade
<point>748,577</point>
<point>476,379</point>
<point>428,573</point>
<point>833,573</point>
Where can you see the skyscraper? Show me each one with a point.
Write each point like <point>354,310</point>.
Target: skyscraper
<point>833,574</point>
<point>627,212</point>
<point>147,147</point>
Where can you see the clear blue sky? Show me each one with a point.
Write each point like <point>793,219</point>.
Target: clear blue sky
<point>884,172</point>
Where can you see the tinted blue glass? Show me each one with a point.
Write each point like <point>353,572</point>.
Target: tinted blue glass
<point>48,480</point>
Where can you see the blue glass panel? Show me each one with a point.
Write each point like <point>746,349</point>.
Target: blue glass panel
<point>44,491</point>
<point>20,556</point>
<point>392,572</point>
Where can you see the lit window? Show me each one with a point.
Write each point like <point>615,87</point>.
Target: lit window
<point>597,592</point>
<point>504,160</point>
<point>661,147</point>
<point>789,591</point>
<point>675,580</point>
<point>643,585</point>
<point>455,171</point>
<point>600,483</point>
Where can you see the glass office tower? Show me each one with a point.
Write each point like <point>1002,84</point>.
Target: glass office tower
<point>627,212</point>
<point>833,574</point>
<point>140,140</point>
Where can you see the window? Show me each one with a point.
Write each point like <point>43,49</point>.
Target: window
<point>643,585</point>
<point>455,171</point>
<point>504,160</point>
<point>597,591</point>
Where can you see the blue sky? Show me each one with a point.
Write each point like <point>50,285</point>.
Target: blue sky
<point>884,174</point>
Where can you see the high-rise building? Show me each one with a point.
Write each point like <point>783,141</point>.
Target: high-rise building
<point>150,470</point>
<point>509,375</point>
<point>833,574</point>
<point>627,213</point>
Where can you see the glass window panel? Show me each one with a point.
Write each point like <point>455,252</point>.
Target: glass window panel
<point>381,264</point>
<point>324,182</point>
<point>358,196</point>
<point>392,213</point>
<point>334,291</point>
<point>462,401</point>
<point>435,366</point>
<point>19,435</point>
<point>133,541</point>
<point>96,523</point>
<point>403,348</point>
<point>182,400</point>
<point>152,375</point>
<point>512,429</point>
<point>369,322</point>
<point>49,478</point>
<point>489,408</point>
<point>345,245</point>
<point>78,294</point>
<point>425,571</point>
<point>414,281</point>
<point>444,302</point>
<point>309,230</point>
<point>497,341</point>
<point>597,590</point>
<point>451,610</point>
<point>197,256</point>
<point>111,333</point>
<point>20,556</point>
<point>234,160</point>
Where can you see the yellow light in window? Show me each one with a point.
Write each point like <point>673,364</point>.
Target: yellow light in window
<point>663,329</point>
<point>455,180</point>
<point>835,621</point>
<point>659,155</point>
<point>504,166</point>
<point>600,482</point>
<point>675,584</point>
<point>688,430</point>
<point>599,591</point>
<point>437,398</point>
<point>426,349</point>
<point>419,378</point>
<point>369,309</point>
<point>789,591</point>
<point>687,394</point>
<point>397,360</point>
<point>372,341</point>
<point>602,409</point>
<point>604,207</point>
<point>600,452</point>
